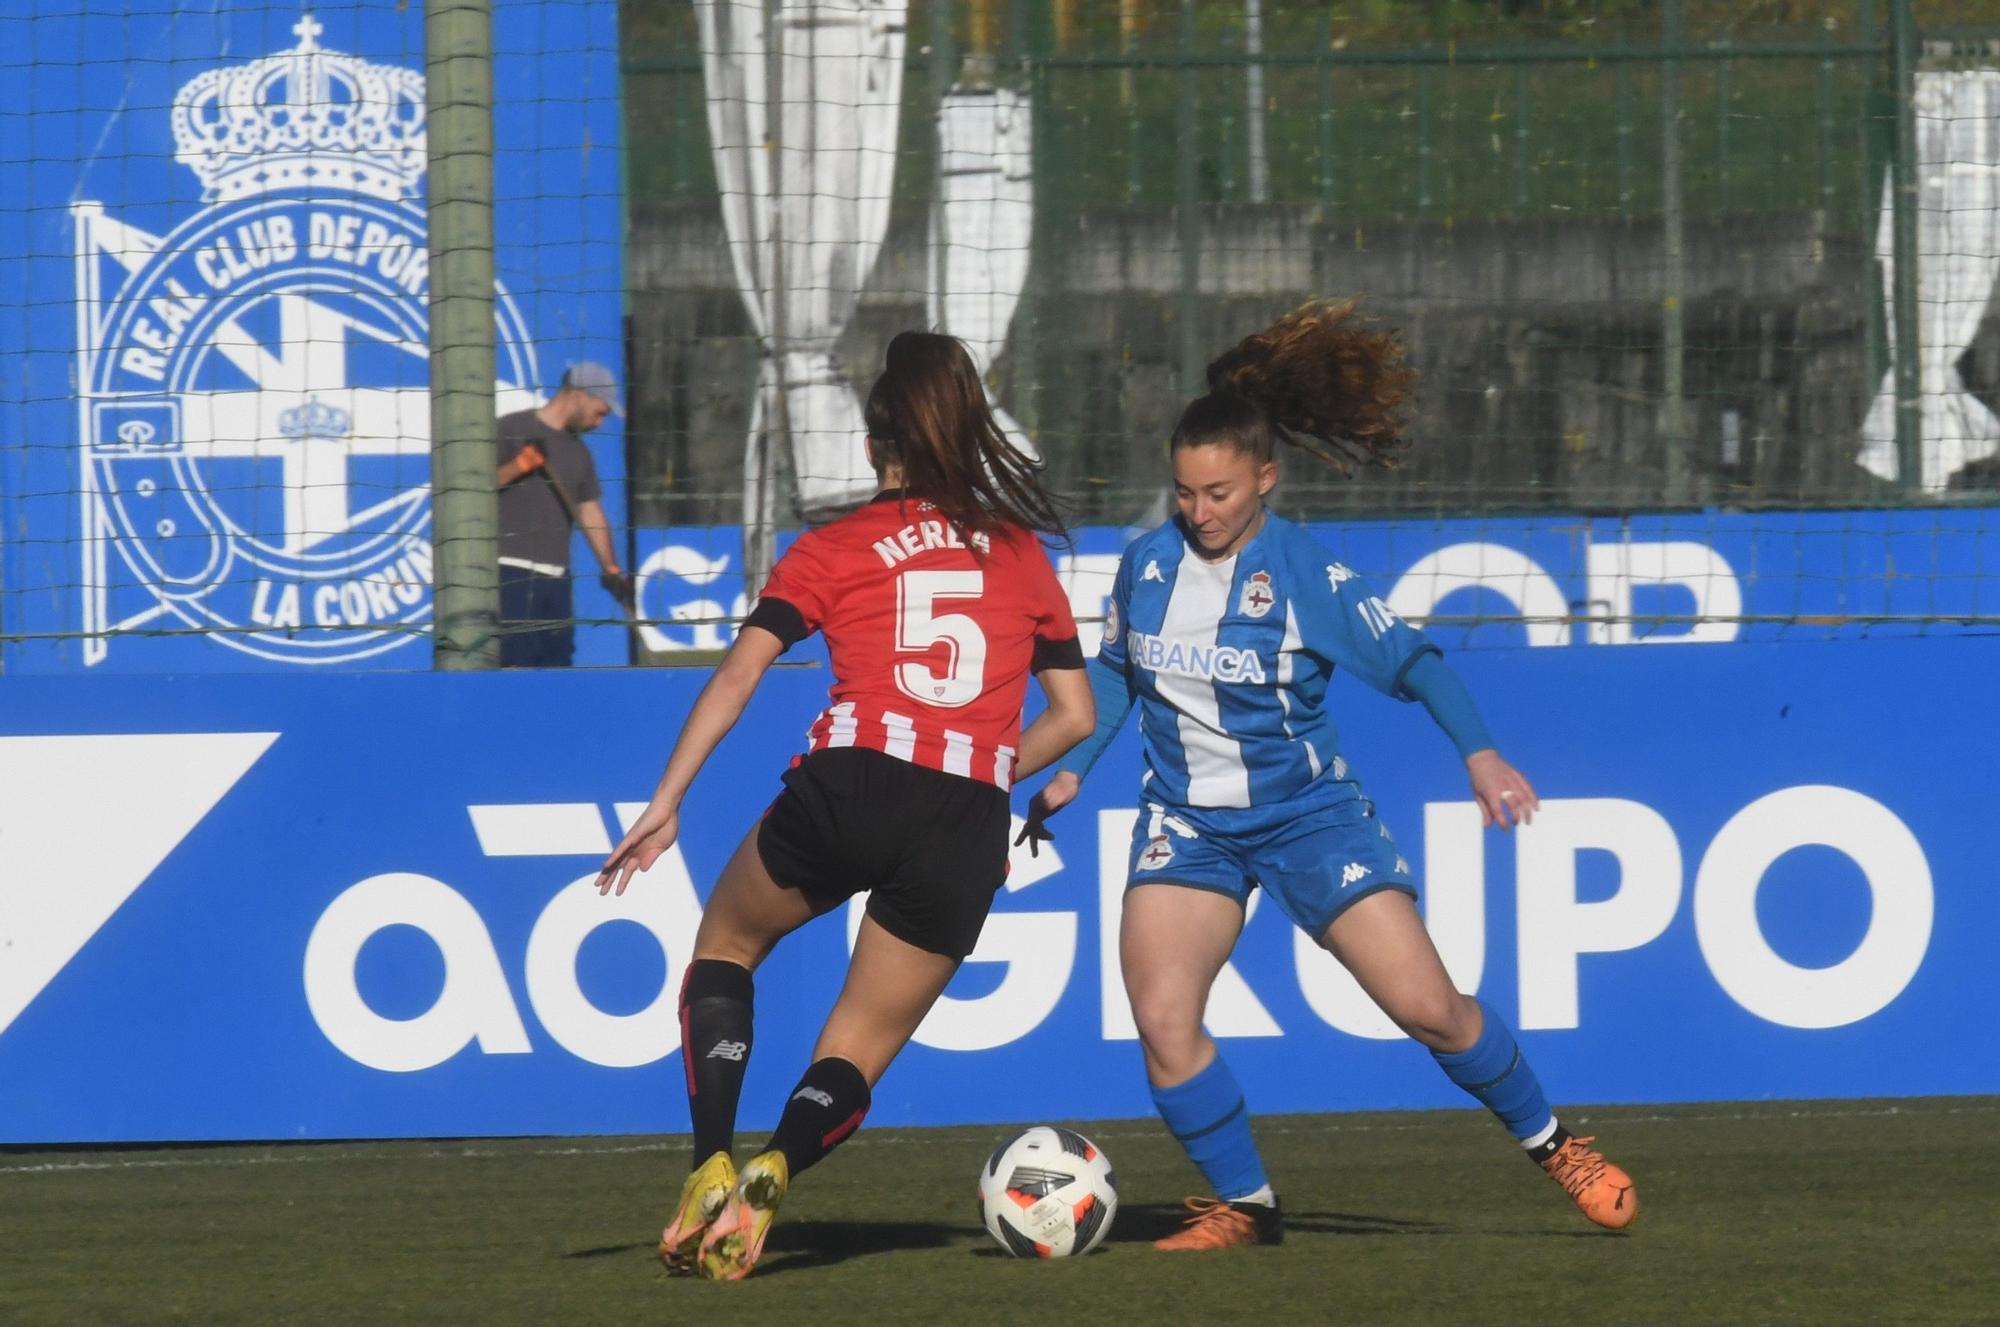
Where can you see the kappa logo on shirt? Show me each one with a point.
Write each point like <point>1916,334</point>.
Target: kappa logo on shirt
<point>1257,595</point>
<point>1152,573</point>
<point>1337,574</point>
<point>1352,872</point>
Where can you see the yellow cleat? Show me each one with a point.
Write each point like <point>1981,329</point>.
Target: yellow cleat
<point>1603,1191</point>
<point>735,1237</point>
<point>701,1198</point>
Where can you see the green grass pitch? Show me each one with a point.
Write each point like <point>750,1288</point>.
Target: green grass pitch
<point>1832,1212</point>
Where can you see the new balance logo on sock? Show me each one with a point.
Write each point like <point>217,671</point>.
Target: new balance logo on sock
<point>1352,872</point>
<point>814,1094</point>
<point>727,1050</point>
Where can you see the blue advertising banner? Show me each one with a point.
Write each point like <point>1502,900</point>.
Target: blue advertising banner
<point>215,246</point>
<point>359,904</point>
<point>1550,580</point>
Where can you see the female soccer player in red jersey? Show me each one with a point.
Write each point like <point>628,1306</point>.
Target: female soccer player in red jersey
<point>937,602</point>
<point>1226,627</point>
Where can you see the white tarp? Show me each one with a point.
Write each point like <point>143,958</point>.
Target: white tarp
<point>1958,259</point>
<point>982,224</point>
<point>805,224</point>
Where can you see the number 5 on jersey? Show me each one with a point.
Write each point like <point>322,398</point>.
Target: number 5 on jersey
<point>920,626</point>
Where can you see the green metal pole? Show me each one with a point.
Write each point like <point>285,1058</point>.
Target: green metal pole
<point>1909,382</point>
<point>465,506</point>
<point>943,73</point>
<point>1187,211</point>
<point>1868,198</point>
<point>1027,59</point>
<point>1673,347</point>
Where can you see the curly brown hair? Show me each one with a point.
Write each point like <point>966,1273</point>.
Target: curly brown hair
<point>1323,378</point>
<point>928,413</point>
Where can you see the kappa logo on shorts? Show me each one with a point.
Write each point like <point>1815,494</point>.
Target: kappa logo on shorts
<point>254,400</point>
<point>727,1050</point>
<point>1156,854</point>
<point>813,1094</point>
<point>1402,865</point>
<point>1257,595</point>
<point>1352,872</point>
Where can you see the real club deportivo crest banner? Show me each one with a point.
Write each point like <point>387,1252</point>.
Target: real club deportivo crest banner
<point>214,235</point>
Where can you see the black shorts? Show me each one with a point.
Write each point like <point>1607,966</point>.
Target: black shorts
<point>930,847</point>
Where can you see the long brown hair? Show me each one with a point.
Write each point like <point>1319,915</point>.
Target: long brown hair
<point>1322,378</point>
<point>928,413</point>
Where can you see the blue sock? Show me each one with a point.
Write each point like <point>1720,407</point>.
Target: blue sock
<point>1207,1114</point>
<point>1494,1071</point>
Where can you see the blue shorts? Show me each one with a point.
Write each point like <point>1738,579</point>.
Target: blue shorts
<point>1315,856</point>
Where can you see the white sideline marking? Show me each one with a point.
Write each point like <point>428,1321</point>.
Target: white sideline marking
<point>303,1158</point>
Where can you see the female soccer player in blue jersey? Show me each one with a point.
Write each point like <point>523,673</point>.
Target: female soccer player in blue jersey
<point>1226,626</point>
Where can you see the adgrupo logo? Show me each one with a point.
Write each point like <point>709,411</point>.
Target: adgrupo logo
<point>254,401</point>
<point>1037,946</point>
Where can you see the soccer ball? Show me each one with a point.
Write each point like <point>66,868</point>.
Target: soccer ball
<point>1047,1192</point>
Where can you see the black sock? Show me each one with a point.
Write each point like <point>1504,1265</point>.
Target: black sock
<point>715,1048</point>
<point>825,1107</point>
<point>1549,1146</point>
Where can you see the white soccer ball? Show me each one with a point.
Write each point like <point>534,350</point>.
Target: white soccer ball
<point>1047,1192</point>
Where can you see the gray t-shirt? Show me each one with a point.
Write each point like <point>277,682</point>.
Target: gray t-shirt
<point>534,524</point>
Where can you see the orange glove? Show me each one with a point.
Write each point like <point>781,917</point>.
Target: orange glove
<point>529,459</point>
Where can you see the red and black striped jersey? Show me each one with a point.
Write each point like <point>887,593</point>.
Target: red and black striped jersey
<point>931,634</point>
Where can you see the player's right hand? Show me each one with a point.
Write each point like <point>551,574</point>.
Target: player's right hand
<point>651,834</point>
<point>529,459</point>
<point>1056,794</point>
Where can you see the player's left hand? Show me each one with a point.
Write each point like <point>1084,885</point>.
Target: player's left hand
<point>651,834</point>
<point>1054,796</point>
<point>620,586</point>
<point>1505,797</point>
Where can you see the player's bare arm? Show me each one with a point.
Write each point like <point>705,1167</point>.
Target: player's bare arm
<point>1070,717</point>
<point>716,710</point>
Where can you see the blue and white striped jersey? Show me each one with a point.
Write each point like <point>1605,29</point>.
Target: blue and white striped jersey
<point>1230,661</point>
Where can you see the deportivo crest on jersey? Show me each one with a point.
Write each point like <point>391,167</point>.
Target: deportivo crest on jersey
<point>1257,597</point>
<point>1111,619</point>
<point>254,401</point>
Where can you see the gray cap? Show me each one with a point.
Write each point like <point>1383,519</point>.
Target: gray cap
<point>592,377</point>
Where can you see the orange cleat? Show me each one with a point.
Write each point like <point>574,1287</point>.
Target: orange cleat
<point>1216,1224</point>
<point>1601,1190</point>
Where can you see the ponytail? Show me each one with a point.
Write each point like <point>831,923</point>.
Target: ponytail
<point>928,413</point>
<point>1322,378</point>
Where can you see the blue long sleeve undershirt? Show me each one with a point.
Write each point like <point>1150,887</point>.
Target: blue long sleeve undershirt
<point>1112,690</point>
<point>1429,679</point>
